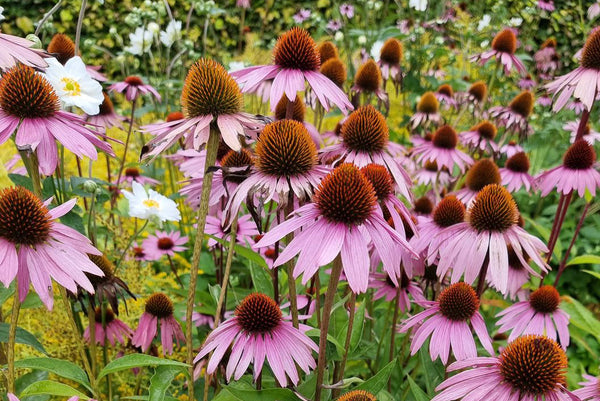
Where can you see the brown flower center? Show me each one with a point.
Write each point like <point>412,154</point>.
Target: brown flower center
<point>26,94</point>
<point>106,107</point>
<point>380,178</point>
<point>478,90</point>
<point>446,89</point>
<point>545,299</point>
<point>590,57</point>
<point>533,365</point>
<point>519,163</point>
<point>165,243</point>
<point>285,148</point>
<point>159,305</point>
<point>522,104</point>
<point>486,130</point>
<point>132,172</point>
<point>24,219</point>
<point>580,156</point>
<point>458,302</point>
<point>237,159</point>
<point>327,50</point>
<point>445,137</point>
<point>134,80</point>
<point>357,395</point>
<point>550,42</point>
<point>366,130</point>
<point>258,313</point>
<point>428,103</point>
<point>449,211</point>
<point>431,165</point>
<point>296,50</point>
<point>424,205</point>
<point>505,41</point>
<point>391,52</point>
<point>209,90</point>
<point>105,265</point>
<point>297,106</point>
<point>109,316</point>
<point>482,173</point>
<point>62,48</point>
<point>346,196</point>
<point>335,70</point>
<point>174,116</point>
<point>493,209</point>
<point>513,260</point>
<point>368,78</point>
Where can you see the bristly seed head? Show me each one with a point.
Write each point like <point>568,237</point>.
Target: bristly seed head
<point>391,52</point>
<point>523,104</point>
<point>482,173</point>
<point>134,80</point>
<point>346,196</point>
<point>478,90</point>
<point>159,305</point>
<point>24,219</point>
<point>132,172</point>
<point>366,130</point>
<point>459,302</point>
<point>296,50</point>
<point>428,103</point>
<point>335,70</point>
<point>328,50</point>
<point>494,209</point>
<point>545,299</point>
<point>165,244</point>
<point>368,78</point>
<point>105,265</point>
<point>449,211</point>
<point>380,178</point>
<point>285,149</point>
<point>62,48</point>
<point>258,313</point>
<point>299,110</point>
<point>534,366</point>
<point>550,42</point>
<point>424,205</point>
<point>486,130</point>
<point>26,94</point>
<point>580,156</point>
<point>106,107</point>
<point>445,137</point>
<point>505,41</point>
<point>519,163</point>
<point>237,159</point>
<point>109,316</point>
<point>357,395</point>
<point>446,89</point>
<point>590,56</point>
<point>209,90</point>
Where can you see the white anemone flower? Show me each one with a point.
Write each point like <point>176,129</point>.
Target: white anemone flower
<point>1,11</point>
<point>484,22</point>
<point>172,34</point>
<point>145,205</point>
<point>419,5</point>
<point>141,40</point>
<point>74,85</point>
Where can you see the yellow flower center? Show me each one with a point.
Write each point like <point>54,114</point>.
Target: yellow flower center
<point>71,87</point>
<point>151,203</point>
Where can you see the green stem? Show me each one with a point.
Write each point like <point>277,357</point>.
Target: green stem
<point>79,25</point>
<point>12,336</point>
<point>133,237</point>
<point>92,325</point>
<point>30,160</point>
<point>339,376</point>
<point>122,166</point>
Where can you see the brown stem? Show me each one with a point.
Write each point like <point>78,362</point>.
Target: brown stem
<point>585,116</point>
<point>563,264</point>
<point>174,270</point>
<point>482,275</point>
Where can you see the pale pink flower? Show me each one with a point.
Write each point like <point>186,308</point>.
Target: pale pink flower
<point>159,311</point>
<point>133,87</point>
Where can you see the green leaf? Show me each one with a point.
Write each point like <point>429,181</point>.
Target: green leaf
<point>48,387</point>
<point>27,379</point>
<point>229,393</point>
<point>584,259</point>
<point>591,273</point>
<point>378,382</point>
<point>242,251</point>
<point>261,279</point>
<point>581,317</point>
<point>60,367</point>
<point>419,394</point>
<point>21,181</point>
<point>357,328</point>
<point>545,233</point>
<point>161,380</point>
<point>74,221</point>
<point>23,337</point>
<point>433,371</point>
<point>135,361</point>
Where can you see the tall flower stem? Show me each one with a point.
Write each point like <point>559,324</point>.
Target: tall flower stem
<point>30,160</point>
<point>133,237</point>
<point>563,264</point>
<point>334,278</point>
<point>290,267</point>
<point>393,333</point>
<point>122,166</point>
<point>79,25</point>
<point>92,346</point>
<point>341,367</point>
<point>482,276</point>
<point>12,336</point>
<point>585,116</point>
<point>211,156</point>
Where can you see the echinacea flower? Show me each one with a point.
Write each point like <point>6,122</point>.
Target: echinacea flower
<point>423,206</point>
<point>347,10</point>
<point>344,215</point>
<point>504,46</point>
<point>385,288</point>
<point>514,117</point>
<point>163,243</point>
<point>590,135</point>
<point>547,5</point>
<point>577,172</point>
<point>518,274</point>
<point>539,315</point>
<point>296,60</point>
<point>445,95</point>
<point>483,172</point>
<point>257,332</point>
<point>365,140</point>
<point>390,57</point>
<point>526,82</point>
<point>593,11</point>
<point>210,97</point>
<point>546,59</point>
<point>301,16</point>
<point>531,368</point>
<point>37,249</point>
<point>449,322</point>
<point>298,112</point>
<point>132,174</point>
<point>246,230</point>
<point>133,87</point>
<point>108,287</point>
<point>515,173</point>
<point>510,149</point>
<point>427,111</point>
<point>145,205</point>
<point>442,150</point>
<point>158,312</point>
<point>116,330</point>
<point>106,118</point>
<point>491,226</point>
<point>30,106</point>
<point>327,50</point>
<point>481,137</point>
<point>15,50</point>
<point>584,81</point>
<point>368,81</point>
<point>591,386</point>
<point>242,4</point>
<point>356,395</point>
<point>430,174</point>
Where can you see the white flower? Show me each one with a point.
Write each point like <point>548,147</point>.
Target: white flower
<point>1,11</point>
<point>419,5</point>
<point>362,39</point>
<point>339,36</point>
<point>376,50</point>
<point>172,34</point>
<point>146,205</point>
<point>74,85</point>
<point>141,40</point>
<point>484,22</point>
<point>154,27</point>
<point>515,21</point>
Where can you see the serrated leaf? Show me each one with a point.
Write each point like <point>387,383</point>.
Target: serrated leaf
<point>23,337</point>
<point>161,380</point>
<point>48,387</point>
<point>377,383</point>
<point>60,367</point>
<point>137,360</point>
<point>584,259</point>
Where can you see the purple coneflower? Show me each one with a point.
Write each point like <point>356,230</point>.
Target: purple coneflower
<point>257,332</point>
<point>368,81</point>
<point>109,287</point>
<point>298,113</point>
<point>514,117</point>
<point>347,10</point>
<point>591,387</point>
<point>36,249</point>
<point>483,172</point>
<point>132,174</point>
<point>526,82</point>
<point>481,137</point>
<point>210,96</point>
<point>159,311</point>
<point>246,230</point>
<point>518,274</point>
<point>504,46</point>
<point>531,368</point>
<point>539,315</point>
<point>385,288</point>
<point>334,25</point>
<point>515,173</point>
<point>475,95</point>
<point>163,243</point>
<point>546,59</point>
<point>510,149</point>
<point>116,330</point>
<point>328,50</point>
<point>30,106</point>
<point>482,241</point>
<point>365,140</point>
<point>428,109</point>
<point>590,135</point>
<point>445,95</point>
<point>390,57</point>
<point>296,60</point>
<point>594,10</point>
<point>577,172</point>
<point>442,150</point>
<point>449,321</point>
<point>345,216</point>
<point>547,5</point>
<point>430,174</point>
<point>15,50</point>
<point>301,16</point>
<point>133,87</point>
